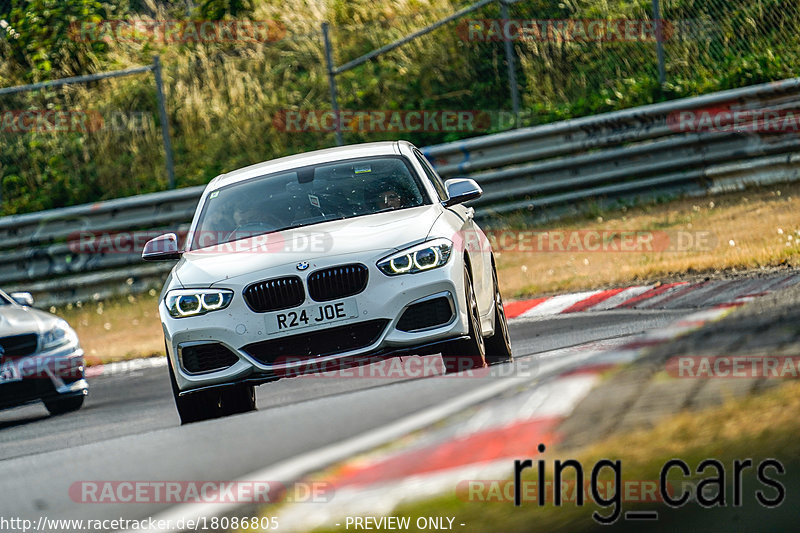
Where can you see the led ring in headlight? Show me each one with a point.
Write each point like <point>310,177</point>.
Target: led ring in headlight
<point>425,256</point>
<point>192,302</point>
<point>400,265</point>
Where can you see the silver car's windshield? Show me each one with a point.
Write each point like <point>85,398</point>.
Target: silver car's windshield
<point>305,196</point>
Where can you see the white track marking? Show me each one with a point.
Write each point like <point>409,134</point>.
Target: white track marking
<point>126,368</point>
<point>556,304</point>
<point>621,297</point>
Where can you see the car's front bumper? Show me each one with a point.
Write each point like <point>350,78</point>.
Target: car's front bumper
<point>54,374</point>
<point>385,298</point>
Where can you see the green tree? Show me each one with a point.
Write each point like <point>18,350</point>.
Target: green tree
<point>217,9</point>
<point>46,45</point>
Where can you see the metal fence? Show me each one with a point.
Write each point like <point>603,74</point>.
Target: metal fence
<point>730,43</point>
<point>215,91</point>
<point>155,68</point>
<point>334,70</point>
<point>529,174</point>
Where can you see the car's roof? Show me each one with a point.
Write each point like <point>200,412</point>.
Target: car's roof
<point>326,155</point>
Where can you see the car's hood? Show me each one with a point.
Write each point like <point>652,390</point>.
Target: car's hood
<point>369,234</point>
<point>16,320</point>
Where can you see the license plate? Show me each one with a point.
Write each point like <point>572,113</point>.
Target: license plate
<point>311,315</point>
<point>9,373</point>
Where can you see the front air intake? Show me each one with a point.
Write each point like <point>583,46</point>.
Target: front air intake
<point>205,357</point>
<point>319,343</point>
<point>426,315</point>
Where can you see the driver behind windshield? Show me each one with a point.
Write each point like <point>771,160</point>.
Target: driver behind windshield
<point>255,217</point>
<point>389,199</point>
<point>392,194</point>
<point>248,215</point>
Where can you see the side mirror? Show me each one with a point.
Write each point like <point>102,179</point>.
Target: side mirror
<point>460,190</point>
<point>162,248</point>
<point>22,298</point>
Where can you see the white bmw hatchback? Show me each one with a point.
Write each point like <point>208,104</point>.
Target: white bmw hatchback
<point>338,256</point>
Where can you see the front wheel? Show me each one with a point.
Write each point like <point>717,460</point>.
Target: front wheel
<point>470,353</point>
<point>60,406</point>
<point>238,399</point>
<point>214,403</point>
<point>498,346</point>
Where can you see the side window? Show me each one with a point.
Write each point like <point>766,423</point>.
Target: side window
<point>437,182</point>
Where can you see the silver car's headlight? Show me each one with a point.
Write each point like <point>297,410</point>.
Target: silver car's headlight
<point>425,256</point>
<point>59,335</point>
<point>192,302</point>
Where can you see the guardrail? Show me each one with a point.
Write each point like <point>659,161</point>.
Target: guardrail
<point>624,155</point>
<point>542,172</point>
<point>38,254</point>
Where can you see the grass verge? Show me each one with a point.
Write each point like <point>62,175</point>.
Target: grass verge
<point>117,329</point>
<point>751,229</point>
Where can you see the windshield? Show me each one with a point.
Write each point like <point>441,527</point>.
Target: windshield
<point>305,196</point>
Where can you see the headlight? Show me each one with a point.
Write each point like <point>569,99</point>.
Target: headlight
<point>59,335</point>
<point>192,302</point>
<point>425,256</point>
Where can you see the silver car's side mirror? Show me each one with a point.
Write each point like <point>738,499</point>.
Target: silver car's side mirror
<point>162,248</point>
<point>22,298</point>
<point>460,190</point>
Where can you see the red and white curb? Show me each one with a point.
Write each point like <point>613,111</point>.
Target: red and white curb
<point>598,300</point>
<point>125,368</point>
<point>647,296</point>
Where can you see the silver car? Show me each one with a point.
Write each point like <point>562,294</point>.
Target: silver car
<point>40,357</point>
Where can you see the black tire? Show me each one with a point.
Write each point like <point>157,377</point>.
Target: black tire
<point>498,346</point>
<point>193,407</point>
<point>238,399</point>
<point>214,403</point>
<point>60,406</point>
<point>470,353</point>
